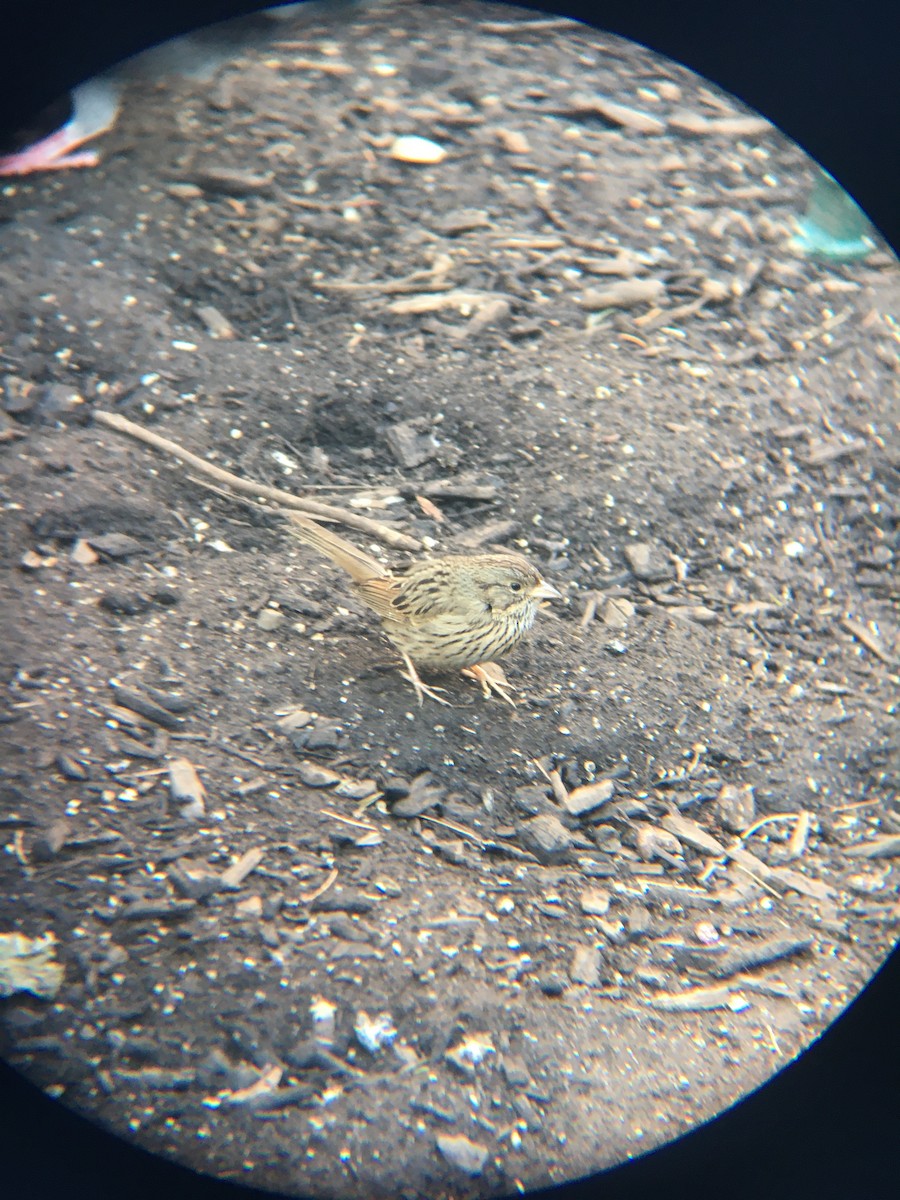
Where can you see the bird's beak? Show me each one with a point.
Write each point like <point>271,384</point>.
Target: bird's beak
<point>546,591</point>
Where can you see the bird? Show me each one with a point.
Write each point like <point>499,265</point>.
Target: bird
<point>459,612</point>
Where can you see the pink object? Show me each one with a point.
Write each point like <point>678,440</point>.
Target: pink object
<point>95,108</point>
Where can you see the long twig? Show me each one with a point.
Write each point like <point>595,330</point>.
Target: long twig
<point>376,529</point>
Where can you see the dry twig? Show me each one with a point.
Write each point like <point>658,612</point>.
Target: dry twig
<point>332,512</point>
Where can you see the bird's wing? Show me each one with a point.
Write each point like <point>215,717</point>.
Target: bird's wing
<point>381,596</point>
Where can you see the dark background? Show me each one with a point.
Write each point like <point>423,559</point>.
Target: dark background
<point>826,73</point>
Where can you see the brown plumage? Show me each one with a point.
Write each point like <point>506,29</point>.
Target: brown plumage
<point>451,613</point>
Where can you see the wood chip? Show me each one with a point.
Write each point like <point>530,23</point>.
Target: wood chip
<point>461,488</point>
<point>679,894</point>
<point>696,123</point>
<point>297,718</point>
<point>430,509</point>
<point>621,114</point>
<point>652,843</point>
<point>148,910</point>
<point>626,293</point>
<point>491,532</point>
<point>583,800</point>
<point>217,325</point>
<point>822,452</point>
<point>326,66</point>
<point>698,613</point>
<point>695,1000</point>
<point>267,1082</point>
<point>462,299</point>
<point>781,879</point>
<point>800,835</point>
<point>868,639</point>
<point>186,789</point>
<point>136,702</point>
<point>512,141</point>
<point>692,834</point>
<point>745,958</point>
<point>492,312</point>
<point>881,847</point>
<point>232,181</point>
<point>235,875</point>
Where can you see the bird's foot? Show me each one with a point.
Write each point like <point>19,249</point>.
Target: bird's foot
<point>492,679</point>
<point>49,154</point>
<point>421,689</point>
<point>95,107</point>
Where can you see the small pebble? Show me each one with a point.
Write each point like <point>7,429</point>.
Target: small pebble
<point>546,837</point>
<point>532,799</point>
<point>706,933</point>
<point>515,1071</point>
<point>735,807</point>
<point>115,545</point>
<point>657,843</point>
<point>461,1152</point>
<point>412,149</point>
<point>513,142</point>
<point>552,983</point>
<point>637,921</point>
<point>315,776</point>
<point>646,562</point>
<point>617,612</point>
<point>83,553</point>
<point>585,966</point>
<point>250,908</point>
<point>584,799</point>
<point>125,604</point>
<point>374,1032</point>
<point>299,718</point>
<point>594,902</point>
<point>71,768</point>
<point>325,735</point>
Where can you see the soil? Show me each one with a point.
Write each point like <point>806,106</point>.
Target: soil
<point>379,951</point>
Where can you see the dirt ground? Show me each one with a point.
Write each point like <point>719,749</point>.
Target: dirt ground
<point>391,948</point>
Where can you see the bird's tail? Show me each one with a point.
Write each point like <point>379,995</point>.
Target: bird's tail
<point>361,567</point>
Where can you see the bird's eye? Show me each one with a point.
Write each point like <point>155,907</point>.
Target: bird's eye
<point>515,586</point>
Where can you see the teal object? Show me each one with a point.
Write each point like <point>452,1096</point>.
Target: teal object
<point>833,226</point>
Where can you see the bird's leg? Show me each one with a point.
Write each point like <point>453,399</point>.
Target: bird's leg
<point>492,679</point>
<point>49,154</point>
<point>421,689</point>
<point>95,106</point>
